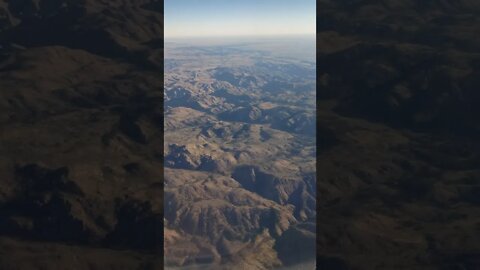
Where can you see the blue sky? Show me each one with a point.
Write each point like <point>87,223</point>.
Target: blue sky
<point>189,18</point>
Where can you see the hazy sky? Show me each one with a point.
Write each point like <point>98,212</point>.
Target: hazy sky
<point>188,18</point>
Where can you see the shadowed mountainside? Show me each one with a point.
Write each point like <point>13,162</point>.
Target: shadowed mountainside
<point>81,105</point>
<point>398,165</point>
<point>239,155</point>
<point>81,122</point>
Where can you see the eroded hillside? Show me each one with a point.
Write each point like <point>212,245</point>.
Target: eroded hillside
<point>399,154</point>
<point>81,134</point>
<point>239,157</point>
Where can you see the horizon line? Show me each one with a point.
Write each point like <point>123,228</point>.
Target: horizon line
<point>241,35</point>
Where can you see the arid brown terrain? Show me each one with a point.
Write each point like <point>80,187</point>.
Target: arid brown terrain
<point>398,148</point>
<point>82,149</point>
<point>81,134</point>
<point>239,153</point>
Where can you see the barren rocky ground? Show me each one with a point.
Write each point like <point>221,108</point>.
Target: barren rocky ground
<point>82,149</point>
<point>81,134</point>
<point>399,152</point>
<point>239,154</point>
